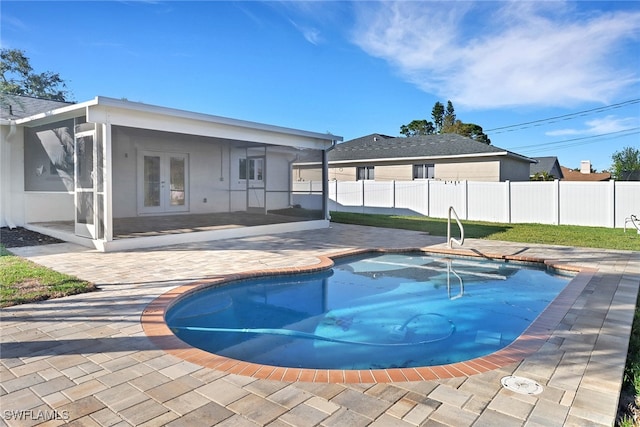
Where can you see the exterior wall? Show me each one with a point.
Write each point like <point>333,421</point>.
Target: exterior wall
<point>306,173</point>
<point>489,169</point>
<point>214,183</point>
<point>30,190</point>
<point>11,177</point>
<point>394,172</point>
<point>471,171</point>
<point>342,173</point>
<point>514,170</point>
<point>208,163</point>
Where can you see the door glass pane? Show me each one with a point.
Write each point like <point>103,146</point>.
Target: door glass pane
<point>177,169</point>
<point>259,169</point>
<point>151,181</point>
<point>84,214</point>
<point>84,145</point>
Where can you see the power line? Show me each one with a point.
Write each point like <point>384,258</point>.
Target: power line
<point>630,130</point>
<point>567,143</point>
<point>540,122</point>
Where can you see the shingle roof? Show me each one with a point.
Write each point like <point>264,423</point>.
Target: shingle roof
<point>571,175</point>
<point>384,147</point>
<point>545,164</point>
<point>15,107</point>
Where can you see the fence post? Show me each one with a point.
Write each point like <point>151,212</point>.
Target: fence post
<point>556,201</point>
<point>613,203</point>
<point>507,198</point>
<point>428,188</point>
<point>362,195</point>
<point>393,196</point>
<point>465,189</point>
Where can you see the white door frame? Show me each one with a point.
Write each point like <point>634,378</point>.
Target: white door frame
<point>163,202</point>
<point>85,225</point>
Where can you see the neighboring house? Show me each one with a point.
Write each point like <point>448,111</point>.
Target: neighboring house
<point>81,172</point>
<point>548,165</point>
<point>448,157</point>
<point>585,174</point>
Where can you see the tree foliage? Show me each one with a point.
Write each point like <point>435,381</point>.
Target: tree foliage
<point>417,127</point>
<point>18,78</point>
<point>445,121</point>
<point>626,164</point>
<point>542,176</point>
<point>437,114</point>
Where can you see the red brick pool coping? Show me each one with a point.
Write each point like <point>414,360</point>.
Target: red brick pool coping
<point>527,343</point>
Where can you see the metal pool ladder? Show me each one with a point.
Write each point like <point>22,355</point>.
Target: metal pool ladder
<point>450,239</point>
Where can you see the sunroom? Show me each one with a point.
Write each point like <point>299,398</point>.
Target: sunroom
<point>117,175</point>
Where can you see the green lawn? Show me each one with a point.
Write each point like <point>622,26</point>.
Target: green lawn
<point>567,235</point>
<point>23,281</point>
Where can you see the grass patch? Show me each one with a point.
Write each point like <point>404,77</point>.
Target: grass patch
<point>22,281</point>
<point>567,235</point>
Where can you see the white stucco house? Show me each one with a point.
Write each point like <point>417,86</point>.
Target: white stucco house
<point>115,175</point>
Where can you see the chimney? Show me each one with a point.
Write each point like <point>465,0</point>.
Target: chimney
<point>585,166</point>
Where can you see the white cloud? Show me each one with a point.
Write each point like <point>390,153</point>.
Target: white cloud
<point>600,126</point>
<point>486,54</point>
<point>311,34</point>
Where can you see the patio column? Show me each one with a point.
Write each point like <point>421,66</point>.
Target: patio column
<point>107,168</point>
<point>325,184</point>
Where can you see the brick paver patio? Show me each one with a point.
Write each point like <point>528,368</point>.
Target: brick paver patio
<point>86,359</point>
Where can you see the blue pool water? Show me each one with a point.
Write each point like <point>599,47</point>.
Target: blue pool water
<point>370,312</point>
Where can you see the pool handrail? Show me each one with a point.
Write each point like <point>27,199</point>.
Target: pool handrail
<point>634,221</point>
<point>449,238</point>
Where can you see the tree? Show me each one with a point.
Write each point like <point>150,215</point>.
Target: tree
<point>470,130</point>
<point>626,164</point>
<point>417,127</point>
<point>437,113</point>
<point>449,117</point>
<point>444,121</point>
<point>18,78</point>
<point>542,176</point>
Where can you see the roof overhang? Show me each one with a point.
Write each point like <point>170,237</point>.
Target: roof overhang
<point>133,114</point>
<point>433,158</point>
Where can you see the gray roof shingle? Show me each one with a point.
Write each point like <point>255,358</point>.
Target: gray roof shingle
<point>546,164</point>
<point>440,145</point>
<point>15,107</point>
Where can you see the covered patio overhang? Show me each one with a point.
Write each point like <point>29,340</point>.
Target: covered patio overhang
<point>141,176</point>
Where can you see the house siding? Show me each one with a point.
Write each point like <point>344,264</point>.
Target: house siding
<point>514,170</point>
<point>468,170</point>
<point>394,172</point>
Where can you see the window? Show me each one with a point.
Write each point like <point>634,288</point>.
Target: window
<point>424,171</point>
<point>365,172</point>
<point>252,169</point>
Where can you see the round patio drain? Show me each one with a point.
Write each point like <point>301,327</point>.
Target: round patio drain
<point>521,385</point>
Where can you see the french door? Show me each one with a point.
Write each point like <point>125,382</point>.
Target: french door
<point>256,184</point>
<point>163,182</point>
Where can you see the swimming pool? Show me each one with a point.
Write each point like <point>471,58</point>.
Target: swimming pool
<point>377,311</point>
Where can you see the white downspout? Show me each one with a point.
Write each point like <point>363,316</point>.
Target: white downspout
<point>325,180</point>
<point>7,176</point>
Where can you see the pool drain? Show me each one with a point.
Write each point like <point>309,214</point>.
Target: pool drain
<point>521,385</point>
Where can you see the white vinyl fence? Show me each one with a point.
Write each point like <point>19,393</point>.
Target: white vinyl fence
<point>601,204</point>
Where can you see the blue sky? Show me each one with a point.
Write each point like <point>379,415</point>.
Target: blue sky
<point>360,67</point>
